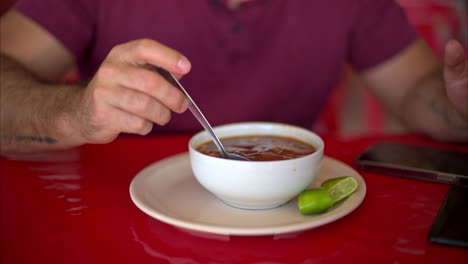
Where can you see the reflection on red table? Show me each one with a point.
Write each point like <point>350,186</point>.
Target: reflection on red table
<point>74,207</point>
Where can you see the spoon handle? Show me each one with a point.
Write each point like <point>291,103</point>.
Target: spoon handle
<point>194,109</point>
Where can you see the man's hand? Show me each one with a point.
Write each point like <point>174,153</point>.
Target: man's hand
<point>127,96</point>
<point>39,113</point>
<point>456,76</point>
<point>429,96</point>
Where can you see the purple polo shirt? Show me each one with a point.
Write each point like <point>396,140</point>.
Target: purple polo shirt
<point>269,60</point>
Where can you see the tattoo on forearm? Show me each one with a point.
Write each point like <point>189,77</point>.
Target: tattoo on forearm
<point>449,117</point>
<point>28,139</point>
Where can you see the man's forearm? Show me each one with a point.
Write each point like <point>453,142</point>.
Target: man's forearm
<point>427,109</point>
<point>34,115</point>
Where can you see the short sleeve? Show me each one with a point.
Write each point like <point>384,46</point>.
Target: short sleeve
<point>380,31</point>
<point>70,21</point>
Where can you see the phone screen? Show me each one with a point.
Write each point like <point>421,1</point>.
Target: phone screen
<point>426,163</point>
<point>450,225</point>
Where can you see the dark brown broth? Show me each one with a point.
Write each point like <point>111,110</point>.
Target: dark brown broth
<point>260,147</point>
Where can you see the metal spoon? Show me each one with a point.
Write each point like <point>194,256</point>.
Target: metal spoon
<point>199,115</point>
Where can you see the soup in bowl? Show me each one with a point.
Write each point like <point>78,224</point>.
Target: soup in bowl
<point>283,161</point>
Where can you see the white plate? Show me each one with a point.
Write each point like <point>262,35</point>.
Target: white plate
<point>168,191</point>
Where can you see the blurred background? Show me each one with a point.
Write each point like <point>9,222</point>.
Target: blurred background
<point>352,111</point>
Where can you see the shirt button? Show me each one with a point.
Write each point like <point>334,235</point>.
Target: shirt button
<point>235,28</point>
<point>215,3</point>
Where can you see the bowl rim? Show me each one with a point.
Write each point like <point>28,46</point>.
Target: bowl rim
<point>317,138</point>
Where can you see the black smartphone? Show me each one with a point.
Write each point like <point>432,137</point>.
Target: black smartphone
<point>416,162</point>
<point>450,226</point>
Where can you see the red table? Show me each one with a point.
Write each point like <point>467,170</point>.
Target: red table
<point>74,207</point>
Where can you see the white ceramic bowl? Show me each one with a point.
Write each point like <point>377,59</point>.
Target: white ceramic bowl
<point>256,184</point>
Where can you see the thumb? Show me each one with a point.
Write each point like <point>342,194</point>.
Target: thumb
<point>454,60</point>
<point>456,76</point>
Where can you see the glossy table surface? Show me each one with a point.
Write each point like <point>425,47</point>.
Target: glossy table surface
<point>74,207</point>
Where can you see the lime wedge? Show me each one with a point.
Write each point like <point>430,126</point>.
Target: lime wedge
<point>340,188</point>
<point>314,201</point>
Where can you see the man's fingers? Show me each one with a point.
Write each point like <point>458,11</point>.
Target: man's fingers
<point>123,121</point>
<point>456,76</point>
<point>144,80</point>
<point>454,59</point>
<point>126,96</point>
<point>146,51</point>
<point>139,104</point>
<point>131,123</point>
